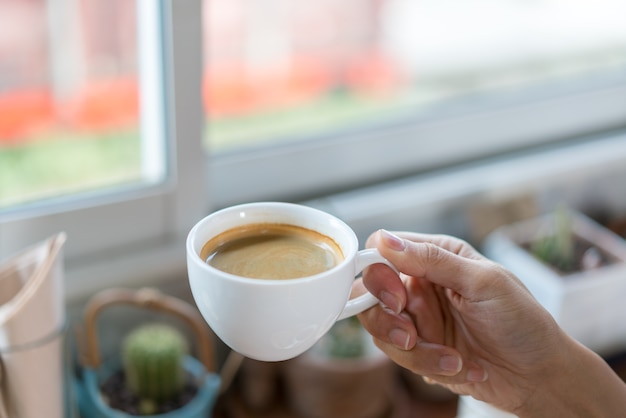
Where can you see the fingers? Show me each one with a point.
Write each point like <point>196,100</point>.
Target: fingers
<point>393,328</point>
<point>450,243</point>
<point>420,349</point>
<point>443,266</point>
<point>439,363</point>
<point>420,336</point>
<point>397,336</point>
<point>425,358</point>
<point>387,287</point>
<point>444,260</point>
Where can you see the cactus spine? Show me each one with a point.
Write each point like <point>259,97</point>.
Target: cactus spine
<point>153,362</point>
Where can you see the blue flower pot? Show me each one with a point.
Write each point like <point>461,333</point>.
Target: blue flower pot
<point>91,404</point>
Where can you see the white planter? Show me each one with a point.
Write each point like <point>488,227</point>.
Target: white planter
<point>589,305</point>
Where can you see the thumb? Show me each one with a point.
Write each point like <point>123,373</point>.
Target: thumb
<point>432,262</point>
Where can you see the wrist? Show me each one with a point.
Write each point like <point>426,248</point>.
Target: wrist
<point>578,383</point>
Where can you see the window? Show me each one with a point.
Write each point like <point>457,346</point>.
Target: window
<point>106,72</point>
<point>237,100</point>
<point>69,98</point>
<point>303,97</point>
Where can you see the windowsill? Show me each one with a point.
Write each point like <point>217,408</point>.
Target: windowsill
<point>152,265</point>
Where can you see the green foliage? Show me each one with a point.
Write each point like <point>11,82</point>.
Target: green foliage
<point>153,362</point>
<point>65,163</point>
<point>558,247</point>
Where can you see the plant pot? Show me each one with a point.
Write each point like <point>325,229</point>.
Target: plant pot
<point>95,372</point>
<point>317,386</point>
<point>92,404</point>
<point>586,304</point>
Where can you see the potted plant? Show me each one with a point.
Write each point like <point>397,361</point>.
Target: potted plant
<point>575,268</point>
<point>154,375</point>
<point>343,375</point>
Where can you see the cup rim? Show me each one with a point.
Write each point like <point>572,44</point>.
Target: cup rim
<point>348,256</point>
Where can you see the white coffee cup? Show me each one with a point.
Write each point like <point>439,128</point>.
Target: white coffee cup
<point>273,320</point>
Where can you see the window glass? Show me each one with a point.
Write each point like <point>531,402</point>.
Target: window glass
<point>278,70</point>
<point>110,129</point>
<point>69,98</point>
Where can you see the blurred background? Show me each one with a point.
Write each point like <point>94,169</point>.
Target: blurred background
<point>124,122</point>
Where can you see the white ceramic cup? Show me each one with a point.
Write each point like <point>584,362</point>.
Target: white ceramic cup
<point>273,320</point>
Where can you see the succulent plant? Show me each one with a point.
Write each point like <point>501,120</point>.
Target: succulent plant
<point>557,248</point>
<point>153,362</point>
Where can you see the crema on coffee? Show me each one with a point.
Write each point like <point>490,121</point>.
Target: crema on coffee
<point>272,251</point>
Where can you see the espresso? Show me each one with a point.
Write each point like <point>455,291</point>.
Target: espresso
<point>272,251</point>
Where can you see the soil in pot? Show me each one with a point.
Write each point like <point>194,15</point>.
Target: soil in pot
<point>564,249</point>
<point>585,256</point>
<point>119,397</point>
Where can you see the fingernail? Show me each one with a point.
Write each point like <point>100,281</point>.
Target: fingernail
<point>450,364</point>
<point>391,301</point>
<point>399,338</point>
<point>476,375</point>
<point>393,241</point>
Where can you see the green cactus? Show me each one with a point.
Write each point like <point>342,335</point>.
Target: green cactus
<point>153,362</point>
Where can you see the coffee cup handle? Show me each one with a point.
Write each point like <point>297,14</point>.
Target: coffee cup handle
<point>365,301</point>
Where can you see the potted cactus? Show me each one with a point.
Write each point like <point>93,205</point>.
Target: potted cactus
<point>152,379</point>
<point>153,361</point>
<point>153,375</point>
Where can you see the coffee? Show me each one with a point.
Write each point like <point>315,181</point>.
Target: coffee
<point>272,251</point>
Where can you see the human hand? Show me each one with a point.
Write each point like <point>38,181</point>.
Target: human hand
<point>460,320</point>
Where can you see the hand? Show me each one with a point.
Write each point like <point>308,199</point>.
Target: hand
<point>460,320</point>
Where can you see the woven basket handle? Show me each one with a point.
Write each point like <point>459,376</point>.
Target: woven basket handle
<point>148,298</point>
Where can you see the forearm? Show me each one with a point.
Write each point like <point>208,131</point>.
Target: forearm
<point>585,386</point>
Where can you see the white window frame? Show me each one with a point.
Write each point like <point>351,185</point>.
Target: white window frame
<point>135,234</point>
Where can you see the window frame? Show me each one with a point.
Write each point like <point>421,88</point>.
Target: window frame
<point>111,231</point>
<point>542,116</point>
